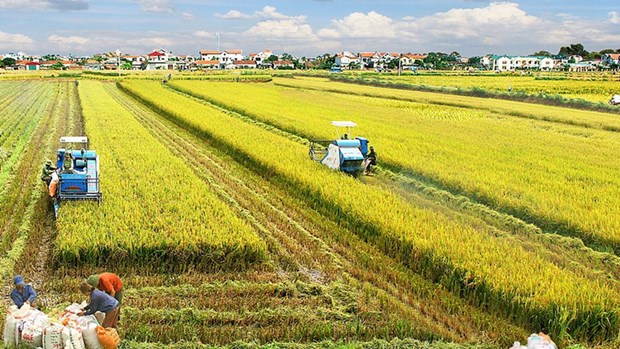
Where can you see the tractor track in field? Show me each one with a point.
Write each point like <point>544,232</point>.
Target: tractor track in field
<point>334,252</point>
<point>34,263</point>
<point>565,251</point>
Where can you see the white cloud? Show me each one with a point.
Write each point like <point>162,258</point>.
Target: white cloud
<point>202,34</point>
<point>15,38</point>
<point>187,16</point>
<point>501,27</point>
<point>267,12</point>
<point>61,5</point>
<point>165,6</point>
<point>67,40</point>
<point>360,25</point>
<point>234,14</point>
<point>290,29</point>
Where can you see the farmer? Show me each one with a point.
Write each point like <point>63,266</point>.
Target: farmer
<point>371,160</point>
<point>100,301</point>
<point>46,172</point>
<point>68,163</point>
<point>23,293</point>
<point>109,283</point>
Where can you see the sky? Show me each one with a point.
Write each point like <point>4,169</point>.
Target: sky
<point>307,27</point>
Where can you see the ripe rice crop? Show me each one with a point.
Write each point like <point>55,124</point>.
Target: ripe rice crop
<point>511,164</point>
<point>495,271</point>
<point>154,210</point>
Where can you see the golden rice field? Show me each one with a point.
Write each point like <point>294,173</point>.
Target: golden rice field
<point>512,164</point>
<point>487,220</point>
<point>598,88</point>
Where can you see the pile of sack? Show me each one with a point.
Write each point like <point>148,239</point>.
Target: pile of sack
<point>536,341</point>
<point>33,328</point>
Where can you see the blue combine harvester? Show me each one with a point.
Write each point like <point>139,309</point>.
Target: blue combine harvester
<point>78,172</point>
<point>343,154</point>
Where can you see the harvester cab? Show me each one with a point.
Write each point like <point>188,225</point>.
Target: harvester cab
<point>615,100</point>
<point>78,172</point>
<point>343,154</point>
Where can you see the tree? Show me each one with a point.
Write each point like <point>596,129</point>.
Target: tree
<point>9,62</point>
<point>57,66</point>
<point>393,64</point>
<point>573,50</point>
<point>607,50</point>
<point>272,58</point>
<point>287,57</point>
<point>542,53</point>
<point>126,66</point>
<point>474,61</point>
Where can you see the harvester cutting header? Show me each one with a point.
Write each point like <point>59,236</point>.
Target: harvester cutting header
<point>351,156</point>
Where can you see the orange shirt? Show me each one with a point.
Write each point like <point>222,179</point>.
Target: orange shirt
<point>109,282</point>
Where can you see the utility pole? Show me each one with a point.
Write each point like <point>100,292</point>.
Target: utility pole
<point>118,55</point>
<point>217,35</point>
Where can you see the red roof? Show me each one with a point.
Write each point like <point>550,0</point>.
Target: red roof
<point>209,52</point>
<point>155,54</point>
<point>32,63</point>
<point>367,54</point>
<point>204,62</point>
<point>244,62</point>
<point>283,63</point>
<point>614,56</point>
<point>233,52</point>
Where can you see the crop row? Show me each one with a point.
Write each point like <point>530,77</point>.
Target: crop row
<point>469,260</point>
<point>155,211</point>
<point>22,114</point>
<point>303,244</point>
<point>513,165</point>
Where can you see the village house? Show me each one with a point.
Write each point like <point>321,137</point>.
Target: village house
<point>610,59</point>
<point>369,59</point>
<point>408,60</point>
<point>345,59</point>
<point>207,64</point>
<point>242,64</point>
<point>283,65</point>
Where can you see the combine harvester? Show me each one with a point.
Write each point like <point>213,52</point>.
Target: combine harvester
<point>615,100</point>
<point>78,172</point>
<point>343,154</point>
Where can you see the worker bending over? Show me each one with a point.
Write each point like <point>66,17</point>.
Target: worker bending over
<point>23,293</point>
<point>109,283</point>
<point>46,173</point>
<point>100,301</point>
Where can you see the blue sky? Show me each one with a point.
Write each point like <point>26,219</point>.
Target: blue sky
<point>307,27</point>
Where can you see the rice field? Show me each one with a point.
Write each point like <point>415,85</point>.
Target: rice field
<point>484,222</point>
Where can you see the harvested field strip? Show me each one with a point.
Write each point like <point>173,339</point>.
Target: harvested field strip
<point>171,208</point>
<point>444,250</point>
<point>32,198</point>
<point>514,166</point>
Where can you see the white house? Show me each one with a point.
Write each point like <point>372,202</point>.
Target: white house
<point>226,58</point>
<point>345,58</point>
<point>369,59</point>
<point>549,63</point>
<point>156,60</point>
<point>209,55</point>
